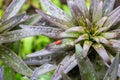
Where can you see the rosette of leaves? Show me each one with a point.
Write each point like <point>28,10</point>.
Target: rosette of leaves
<point>89,38</point>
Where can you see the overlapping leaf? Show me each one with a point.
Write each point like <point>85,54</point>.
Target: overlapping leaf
<point>13,9</point>
<point>113,69</point>
<point>10,23</point>
<point>67,64</point>
<point>86,69</point>
<point>58,13</point>
<point>42,70</point>
<point>108,6</point>
<point>13,61</point>
<point>53,48</point>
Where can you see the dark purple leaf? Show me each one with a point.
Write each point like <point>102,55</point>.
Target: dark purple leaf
<point>58,22</point>
<point>108,6</point>
<point>113,17</point>
<point>12,9</point>
<point>82,6</point>
<point>67,64</point>
<point>2,73</point>
<point>13,61</point>
<point>42,70</point>
<point>57,12</point>
<point>76,12</point>
<point>111,35</point>
<point>55,49</point>
<point>81,37</point>
<point>10,23</point>
<point>86,47</point>
<point>98,13</point>
<point>86,69</point>
<point>102,53</point>
<point>112,71</point>
<point>39,60</point>
<point>23,33</point>
<point>101,22</point>
<point>32,19</point>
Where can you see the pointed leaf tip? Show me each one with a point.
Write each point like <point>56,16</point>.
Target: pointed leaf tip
<point>112,71</point>
<point>87,71</point>
<point>58,13</point>
<point>102,52</point>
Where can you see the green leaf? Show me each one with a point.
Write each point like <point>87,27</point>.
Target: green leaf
<point>13,9</point>
<point>13,61</point>
<point>112,71</point>
<point>86,69</point>
<point>10,23</point>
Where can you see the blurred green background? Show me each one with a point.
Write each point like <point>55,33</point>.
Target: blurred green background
<point>31,44</point>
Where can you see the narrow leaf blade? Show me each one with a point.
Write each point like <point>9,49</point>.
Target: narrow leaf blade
<point>58,13</point>
<point>19,34</point>
<point>42,70</point>
<point>113,69</point>
<point>67,64</point>
<point>102,52</point>
<point>10,23</point>
<point>13,9</point>
<point>2,73</point>
<point>13,61</point>
<point>108,6</point>
<point>86,69</point>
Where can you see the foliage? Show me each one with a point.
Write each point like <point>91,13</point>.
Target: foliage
<point>87,38</point>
